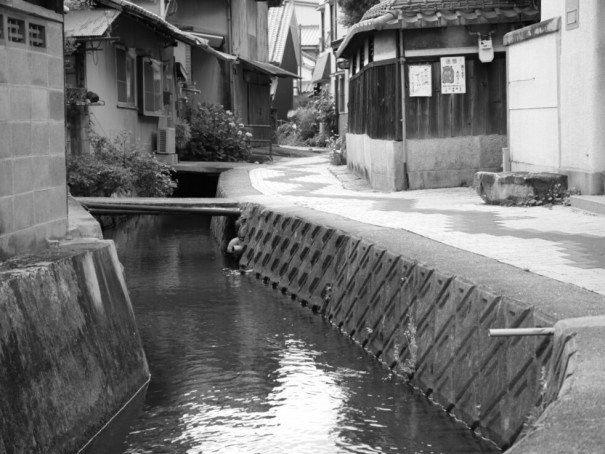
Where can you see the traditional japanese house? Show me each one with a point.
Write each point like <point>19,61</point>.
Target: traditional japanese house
<point>427,90</point>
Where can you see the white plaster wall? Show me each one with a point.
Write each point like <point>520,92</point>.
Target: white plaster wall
<point>533,102</point>
<point>384,46</point>
<point>583,90</point>
<point>534,139</point>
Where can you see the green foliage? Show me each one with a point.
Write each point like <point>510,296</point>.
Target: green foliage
<point>216,135</point>
<point>338,150</point>
<point>353,10</point>
<point>310,124</point>
<point>182,133</point>
<point>115,168</point>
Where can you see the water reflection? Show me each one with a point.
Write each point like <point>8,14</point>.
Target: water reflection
<point>238,368</point>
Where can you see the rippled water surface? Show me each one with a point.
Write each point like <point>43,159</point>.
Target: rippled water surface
<point>237,367</point>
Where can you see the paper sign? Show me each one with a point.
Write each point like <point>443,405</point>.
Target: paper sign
<point>421,80</point>
<point>453,75</point>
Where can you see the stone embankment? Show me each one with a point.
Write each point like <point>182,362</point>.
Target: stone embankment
<point>424,309</point>
<point>71,353</point>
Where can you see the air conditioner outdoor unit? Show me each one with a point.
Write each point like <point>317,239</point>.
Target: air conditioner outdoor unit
<point>167,140</point>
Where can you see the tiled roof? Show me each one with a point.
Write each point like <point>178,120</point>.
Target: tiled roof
<point>428,6</point>
<point>280,22</point>
<point>88,23</point>
<point>310,35</point>
<point>410,14</point>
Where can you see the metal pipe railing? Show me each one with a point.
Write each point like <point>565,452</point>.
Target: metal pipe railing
<point>122,208</point>
<point>509,332</point>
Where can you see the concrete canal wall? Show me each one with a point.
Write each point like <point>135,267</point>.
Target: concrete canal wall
<point>71,355</point>
<point>425,324</point>
<point>424,310</point>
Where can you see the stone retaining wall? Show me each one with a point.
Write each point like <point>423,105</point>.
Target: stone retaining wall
<point>71,355</point>
<point>420,322</point>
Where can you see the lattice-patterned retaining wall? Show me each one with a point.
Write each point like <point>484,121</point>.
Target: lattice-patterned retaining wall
<point>420,322</point>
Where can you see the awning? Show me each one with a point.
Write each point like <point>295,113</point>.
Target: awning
<point>267,68</point>
<point>182,71</point>
<point>322,70</point>
<point>89,23</point>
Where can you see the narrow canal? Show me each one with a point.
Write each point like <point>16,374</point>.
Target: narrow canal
<point>237,367</point>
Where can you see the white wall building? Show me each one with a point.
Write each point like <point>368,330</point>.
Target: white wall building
<point>556,101</point>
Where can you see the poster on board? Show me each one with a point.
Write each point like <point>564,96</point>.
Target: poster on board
<point>453,75</point>
<point>420,80</point>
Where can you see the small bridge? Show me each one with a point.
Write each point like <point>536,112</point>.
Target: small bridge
<point>111,206</point>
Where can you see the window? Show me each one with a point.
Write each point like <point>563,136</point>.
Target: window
<point>341,94</point>
<point>354,64</point>
<point>125,76</point>
<point>1,27</point>
<point>152,95</point>
<point>370,49</point>
<point>37,35</point>
<point>16,30</point>
<point>362,56</point>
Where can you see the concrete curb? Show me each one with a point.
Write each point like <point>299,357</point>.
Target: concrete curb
<point>574,422</point>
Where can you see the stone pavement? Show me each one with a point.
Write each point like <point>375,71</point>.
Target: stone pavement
<point>562,243</point>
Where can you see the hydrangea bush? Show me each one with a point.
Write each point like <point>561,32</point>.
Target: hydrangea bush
<point>216,135</point>
<point>113,168</point>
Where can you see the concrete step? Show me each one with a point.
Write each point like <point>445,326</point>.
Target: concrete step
<point>592,203</point>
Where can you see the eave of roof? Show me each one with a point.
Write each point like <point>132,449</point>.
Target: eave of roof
<point>160,25</point>
<point>268,68</point>
<point>89,23</point>
<point>434,18</point>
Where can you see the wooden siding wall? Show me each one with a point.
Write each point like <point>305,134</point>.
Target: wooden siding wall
<point>374,106</point>
<point>374,102</point>
<point>480,111</point>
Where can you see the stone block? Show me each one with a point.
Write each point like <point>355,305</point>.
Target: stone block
<point>5,114</point>
<point>57,171</point>
<point>38,68</point>
<point>5,140</point>
<point>20,103</point>
<point>23,175</point>
<point>41,172</point>
<point>58,202</point>
<point>23,211</point>
<point>6,215</point>
<point>54,39</point>
<point>517,187</point>
<point>40,104</point>
<point>39,138</point>
<point>18,70</point>
<point>22,241</point>
<point>56,138</point>
<point>56,105</point>
<point>55,73</point>
<point>6,177</point>
<point>3,68</point>
<point>49,205</point>
<point>21,138</point>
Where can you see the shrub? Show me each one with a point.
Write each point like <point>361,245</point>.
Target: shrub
<point>115,168</point>
<point>216,135</point>
<point>310,124</point>
<point>182,133</point>
<point>338,150</point>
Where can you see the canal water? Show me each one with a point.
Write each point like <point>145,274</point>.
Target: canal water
<point>239,368</point>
